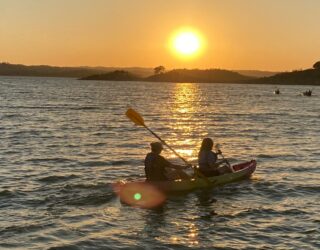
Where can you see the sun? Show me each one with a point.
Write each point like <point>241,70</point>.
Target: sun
<point>186,43</point>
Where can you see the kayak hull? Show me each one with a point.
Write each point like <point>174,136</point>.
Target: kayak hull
<point>145,194</point>
<point>241,171</point>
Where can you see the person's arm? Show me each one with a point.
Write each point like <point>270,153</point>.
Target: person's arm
<point>212,158</point>
<point>178,167</point>
<point>168,164</point>
<point>218,163</point>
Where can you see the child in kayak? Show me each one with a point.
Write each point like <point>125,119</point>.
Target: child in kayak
<point>208,160</point>
<point>157,168</point>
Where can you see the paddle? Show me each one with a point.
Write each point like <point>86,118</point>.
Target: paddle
<point>217,147</point>
<point>137,119</point>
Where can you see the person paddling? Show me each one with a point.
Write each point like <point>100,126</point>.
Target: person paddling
<point>209,165</point>
<point>157,168</point>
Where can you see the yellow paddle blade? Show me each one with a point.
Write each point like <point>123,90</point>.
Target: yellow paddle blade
<point>135,117</point>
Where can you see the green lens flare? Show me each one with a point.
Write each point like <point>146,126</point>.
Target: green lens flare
<point>137,196</point>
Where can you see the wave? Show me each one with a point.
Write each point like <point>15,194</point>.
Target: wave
<point>109,163</point>
<point>66,247</point>
<point>18,229</point>
<point>267,212</point>
<point>302,169</point>
<point>85,108</point>
<point>6,193</point>
<point>264,156</point>
<point>4,116</point>
<point>82,195</point>
<point>281,190</point>
<point>119,163</point>
<point>274,156</point>
<point>308,189</point>
<point>98,144</point>
<point>91,199</point>
<point>94,164</point>
<point>56,160</point>
<point>53,107</point>
<point>110,244</point>
<point>99,186</point>
<point>57,178</point>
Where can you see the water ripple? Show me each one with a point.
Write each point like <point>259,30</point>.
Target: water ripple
<point>64,142</point>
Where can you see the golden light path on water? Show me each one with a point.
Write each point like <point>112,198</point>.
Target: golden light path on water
<point>186,104</point>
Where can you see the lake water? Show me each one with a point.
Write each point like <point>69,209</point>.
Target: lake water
<point>64,142</point>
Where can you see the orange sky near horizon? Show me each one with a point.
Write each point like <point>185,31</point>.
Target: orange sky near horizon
<point>239,34</point>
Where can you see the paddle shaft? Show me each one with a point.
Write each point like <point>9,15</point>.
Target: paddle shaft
<point>228,163</point>
<point>225,159</point>
<point>163,142</point>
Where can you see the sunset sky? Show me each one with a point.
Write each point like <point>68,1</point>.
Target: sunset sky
<point>235,34</point>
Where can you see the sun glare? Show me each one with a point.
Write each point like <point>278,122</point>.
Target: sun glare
<point>186,43</point>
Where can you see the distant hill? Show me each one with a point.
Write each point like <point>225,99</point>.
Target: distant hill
<point>117,75</point>
<point>298,77</point>
<point>197,75</point>
<point>52,71</point>
<point>138,71</point>
<point>256,73</point>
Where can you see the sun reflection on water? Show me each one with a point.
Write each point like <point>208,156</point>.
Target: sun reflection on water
<point>190,238</point>
<point>185,123</point>
<point>193,234</point>
<point>186,96</point>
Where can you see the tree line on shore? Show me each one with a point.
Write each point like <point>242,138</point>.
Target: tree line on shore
<point>298,77</point>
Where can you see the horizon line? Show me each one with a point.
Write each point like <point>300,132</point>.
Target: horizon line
<point>146,67</point>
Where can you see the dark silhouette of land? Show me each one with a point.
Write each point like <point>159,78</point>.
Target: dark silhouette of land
<point>298,77</point>
<point>256,73</point>
<point>117,75</point>
<point>301,77</point>
<point>176,75</point>
<point>197,75</point>
<point>8,69</point>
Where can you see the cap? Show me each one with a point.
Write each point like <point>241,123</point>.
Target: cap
<point>156,146</point>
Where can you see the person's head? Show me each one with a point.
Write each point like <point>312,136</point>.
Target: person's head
<point>207,144</point>
<point>156,147</point>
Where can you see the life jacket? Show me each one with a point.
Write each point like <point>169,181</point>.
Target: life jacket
<point>155,167</point>
<point>206,158</point>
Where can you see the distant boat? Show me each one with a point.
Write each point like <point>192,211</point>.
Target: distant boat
<point>277,92</point>
<point>307,93</point>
